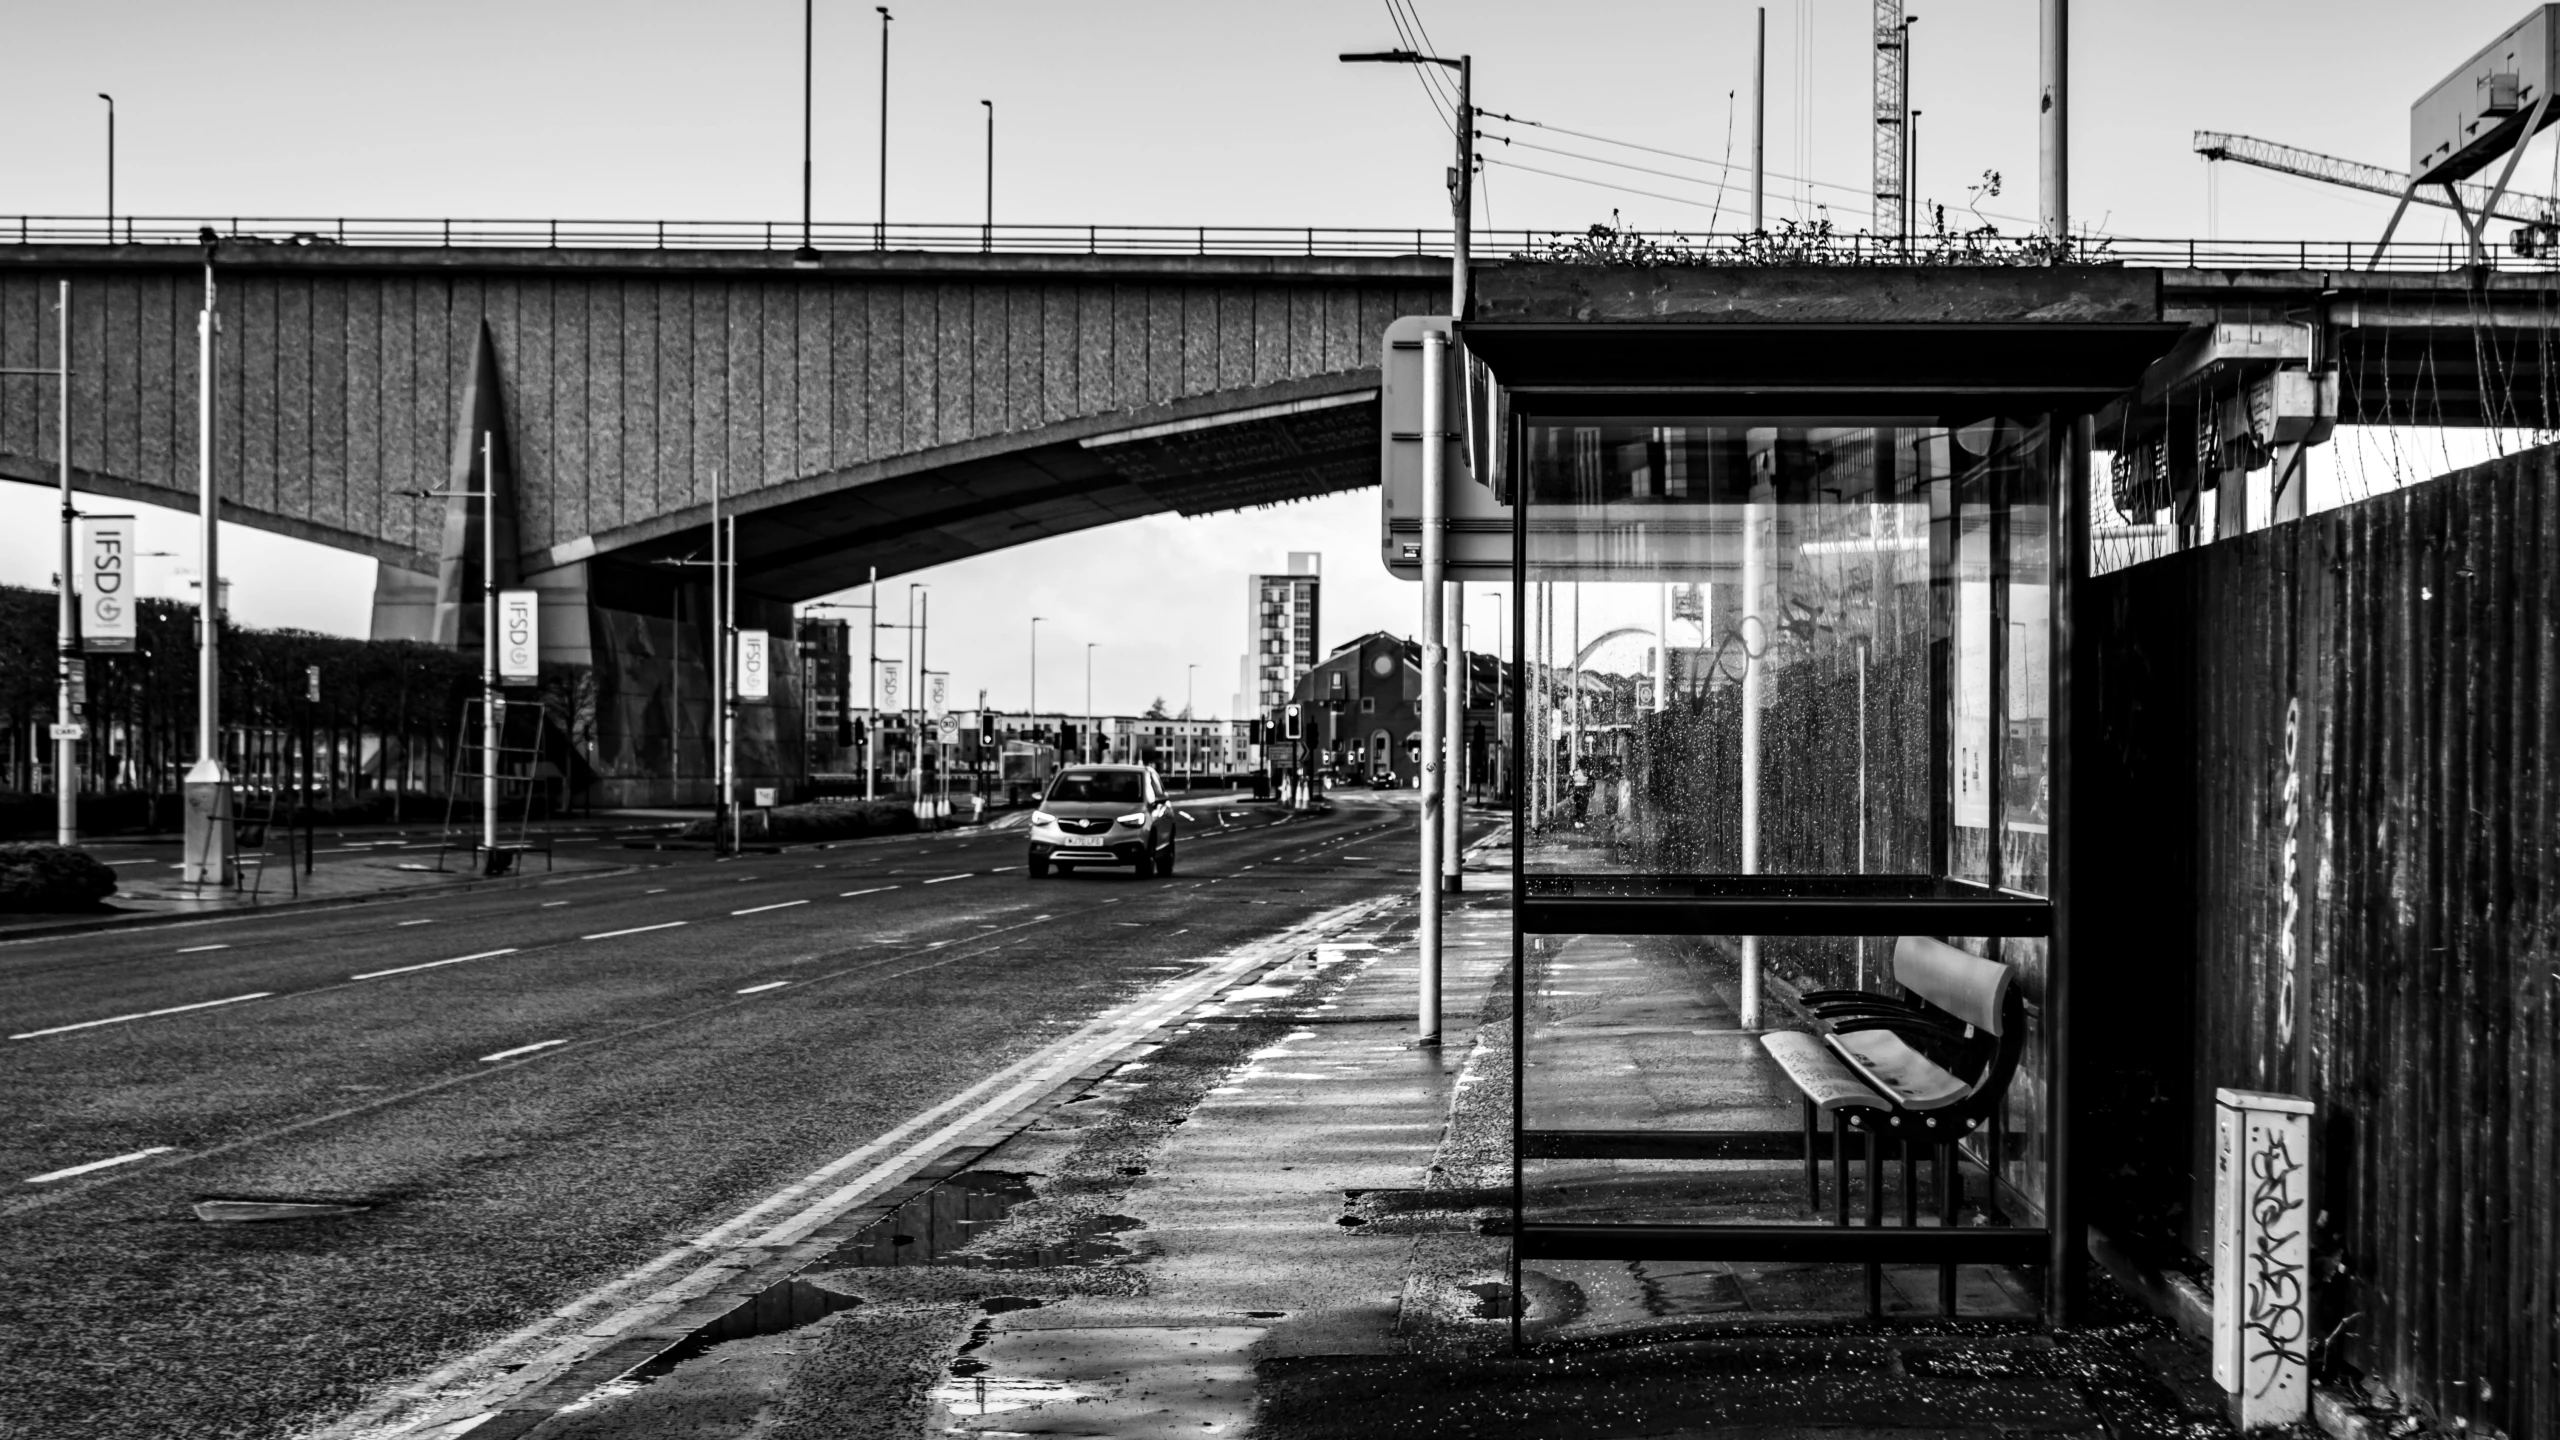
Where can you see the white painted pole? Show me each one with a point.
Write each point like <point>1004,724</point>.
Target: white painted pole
<point>1760,124</point>
<point>1755,637</point>
<point>1435,426</point>
<point>489,699</point>
<point>1453,784</point>
<point>719,684</point>
<point>208,784</point>
<point>871,699</point>
<point>729,693</point>
<point>66,751</point>
<point>2054,119</point>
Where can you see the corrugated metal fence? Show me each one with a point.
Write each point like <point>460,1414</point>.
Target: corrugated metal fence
<point>2324,766</point>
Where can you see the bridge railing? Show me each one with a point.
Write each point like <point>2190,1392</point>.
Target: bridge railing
<point>1592,246</point>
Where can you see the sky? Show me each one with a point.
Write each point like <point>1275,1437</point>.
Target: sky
<point>1161,111</point>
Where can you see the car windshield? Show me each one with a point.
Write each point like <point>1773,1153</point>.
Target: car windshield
<point>1102,787</point>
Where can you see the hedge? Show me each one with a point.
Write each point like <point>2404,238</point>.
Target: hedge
<point>37,878</point>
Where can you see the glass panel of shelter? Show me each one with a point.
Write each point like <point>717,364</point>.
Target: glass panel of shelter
<point>1784,704</point>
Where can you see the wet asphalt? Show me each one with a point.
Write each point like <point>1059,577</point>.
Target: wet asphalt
<point>528,1090</point>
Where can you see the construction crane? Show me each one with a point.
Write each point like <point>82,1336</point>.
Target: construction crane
<point>2312,165</point>
<point>1893,122</point>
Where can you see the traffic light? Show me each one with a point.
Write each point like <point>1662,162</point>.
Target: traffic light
<point>1066,737</point>
<point>848,730</point>
<point>986,727</point>
<point>859,729</point>
<point>1253,732</point>
<point>1293,722</point>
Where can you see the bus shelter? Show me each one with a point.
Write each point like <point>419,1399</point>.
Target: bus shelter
<point>1792,566</point>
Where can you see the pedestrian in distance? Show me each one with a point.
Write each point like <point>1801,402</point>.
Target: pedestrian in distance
<point>1582,786</point>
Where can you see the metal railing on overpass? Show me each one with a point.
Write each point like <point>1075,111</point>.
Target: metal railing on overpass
<point>1788,246</point>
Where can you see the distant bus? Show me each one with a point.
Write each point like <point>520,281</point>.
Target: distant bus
<point>1027,767</point>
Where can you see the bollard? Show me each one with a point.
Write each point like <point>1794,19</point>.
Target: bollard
<point>2262,1256</point>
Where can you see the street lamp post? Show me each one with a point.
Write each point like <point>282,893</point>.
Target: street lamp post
<point>1090,719</point>
<point>208,854</point>
<point>807,254</point>
<point>1035,670</point>
<point>1435,667</point>
<point>111,165</point>
<point>489,700</point>
<point>1190,726</point>
<point>916,659</point>
<point>880,236</point>
<point>987,232</point>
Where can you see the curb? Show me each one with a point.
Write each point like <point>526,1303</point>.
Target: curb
<point>10,935</point>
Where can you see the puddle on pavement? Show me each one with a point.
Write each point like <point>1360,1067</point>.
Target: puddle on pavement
<point>934,1227</point>
<point>968,1395</point>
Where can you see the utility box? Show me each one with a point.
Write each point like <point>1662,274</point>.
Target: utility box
<point>2262,1256</point>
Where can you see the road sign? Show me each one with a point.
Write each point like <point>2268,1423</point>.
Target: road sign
<point>106,584</point>
<point>73,731</point>
<point>949,727</point>
<point>767,797</point>
<point>1479,534</point>
<point>519,635</point>
<point>754,662</point>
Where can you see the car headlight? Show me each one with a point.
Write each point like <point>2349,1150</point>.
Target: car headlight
<point>1043,817</point>
<point>1135,817</point>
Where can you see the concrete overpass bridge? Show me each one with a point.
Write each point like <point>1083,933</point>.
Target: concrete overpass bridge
<point>908,398</point>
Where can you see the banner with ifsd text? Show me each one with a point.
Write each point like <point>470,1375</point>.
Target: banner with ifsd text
<point>106,570</point>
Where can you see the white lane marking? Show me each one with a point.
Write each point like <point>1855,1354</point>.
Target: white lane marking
<point>760,909</point>
<point>200,949</point>
<point>661,890</point>
<point>636,930</point>
<point>547,904</point>
<point>1185,814</point>
<point>874,890</point>
<point>432,964</point>
<point>1001,869</point>
<point>940,878</point>
<point>522,1050</point>
<point>405,924</point>
<point>142,1015</point>
<point>768,985</point>
<point>50,1176</point>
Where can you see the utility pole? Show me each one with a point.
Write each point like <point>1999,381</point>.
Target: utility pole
<point>987,233</point>
<point>208,785</point>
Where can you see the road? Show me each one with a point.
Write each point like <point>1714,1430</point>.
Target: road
<point>530,1090</point>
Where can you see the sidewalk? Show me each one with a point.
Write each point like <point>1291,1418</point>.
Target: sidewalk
<point>1276,1223</point>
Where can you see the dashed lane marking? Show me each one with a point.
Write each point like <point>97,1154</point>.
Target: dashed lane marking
<point>432,964</point>
<point>405,924</point>
<point>547,904</point>
<point>768,985</point>
<point>141,1015</point>
<point>200,949</point>
<point>760,909</point>
<point>636,930</point>
<point>50,1176</point>
<point>940,878</point>
<point>874,890</point>
<point>522,1050</point>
